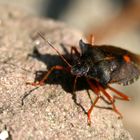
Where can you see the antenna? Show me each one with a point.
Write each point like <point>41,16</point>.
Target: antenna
<point>62,57</point>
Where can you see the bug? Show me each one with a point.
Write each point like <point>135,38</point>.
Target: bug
<point>100,65</point>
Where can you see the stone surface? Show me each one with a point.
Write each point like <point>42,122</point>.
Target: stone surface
<point>49,112</point>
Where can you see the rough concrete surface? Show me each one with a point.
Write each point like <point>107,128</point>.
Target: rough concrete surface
<point>49,112</point>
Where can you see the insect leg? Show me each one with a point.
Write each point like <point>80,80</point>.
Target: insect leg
<point>121,95</point>
<point>74,50</point>
<point>97,92</point>
<point>91,108</point>
<point>57,67</point>
<point>74,95</point>
<point>95,87</point>
<point>73,91</point>
<point>74,85</point>
<point>111,100</point>
<point>90,39</point>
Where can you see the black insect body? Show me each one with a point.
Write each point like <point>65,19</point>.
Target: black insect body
<point>101,66</point>
<point>106,64</point>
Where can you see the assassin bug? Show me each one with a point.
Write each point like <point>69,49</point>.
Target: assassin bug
<point>100,65</point>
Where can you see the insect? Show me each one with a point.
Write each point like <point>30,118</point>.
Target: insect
<point>100,65</point>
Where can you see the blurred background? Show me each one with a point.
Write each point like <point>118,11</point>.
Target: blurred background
<point>114,22</point>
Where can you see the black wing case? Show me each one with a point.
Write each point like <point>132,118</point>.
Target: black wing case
<point>127,71</point>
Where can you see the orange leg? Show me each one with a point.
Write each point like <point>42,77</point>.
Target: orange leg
<point>120,96</point>
<point>97,92</point>
<point>57,67</point>
<point>91,108</point>
<point>93,87</point>
<point>110,99</point>
<point>90,39</point>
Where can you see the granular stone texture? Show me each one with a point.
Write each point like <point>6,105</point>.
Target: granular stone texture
<point>48,112</point>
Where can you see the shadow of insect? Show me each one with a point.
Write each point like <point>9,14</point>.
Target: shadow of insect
<point>57,77</point>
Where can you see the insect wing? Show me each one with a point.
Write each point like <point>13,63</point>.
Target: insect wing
<point>126,74</point>
<point>128,69</point>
